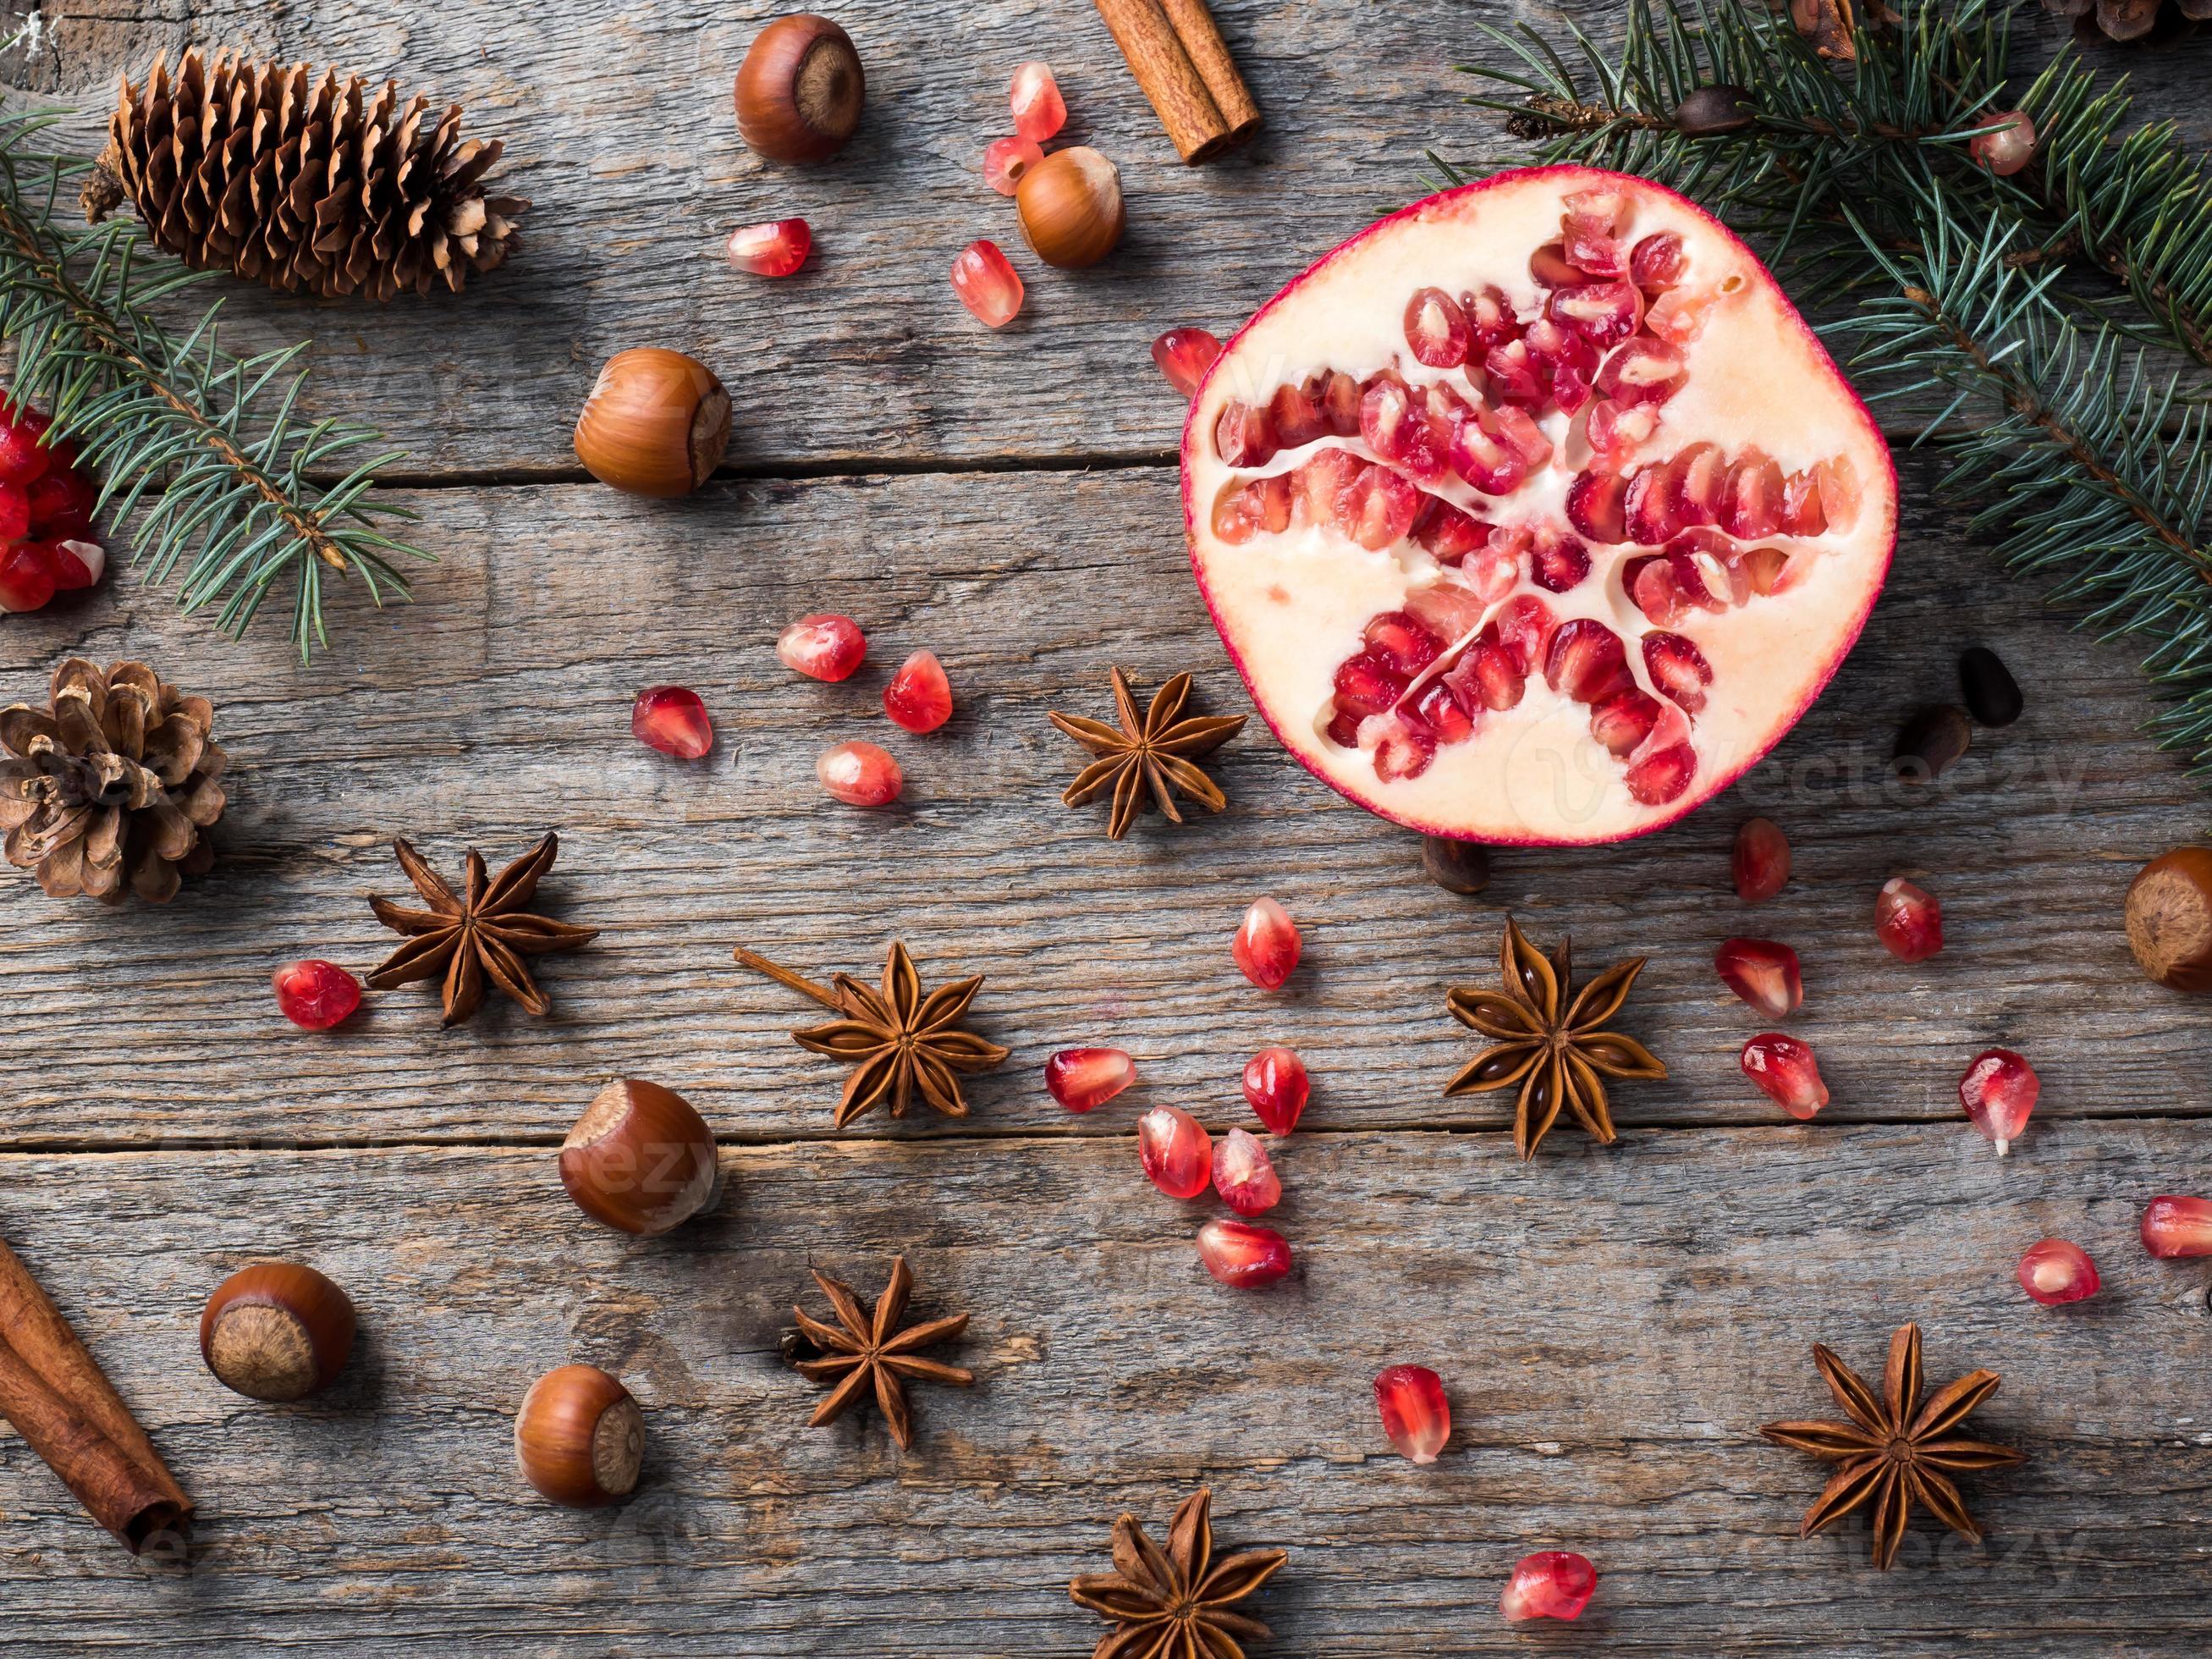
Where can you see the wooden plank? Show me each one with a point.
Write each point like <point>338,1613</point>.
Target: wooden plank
<point>498,707</point>
<point>1612,1326</point>
<point>619,129</point>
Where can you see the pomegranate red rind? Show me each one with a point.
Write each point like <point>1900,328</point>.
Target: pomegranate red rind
<point>1348,465</point>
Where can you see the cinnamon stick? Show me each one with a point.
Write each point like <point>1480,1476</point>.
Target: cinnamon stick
<point>62,1405</point>
<point>1169,76</point>
<point>1209,54</point>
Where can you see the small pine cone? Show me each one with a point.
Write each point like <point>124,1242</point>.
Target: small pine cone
<point>112,782</point>
<point>256,170</point>
<point>2150,22</point>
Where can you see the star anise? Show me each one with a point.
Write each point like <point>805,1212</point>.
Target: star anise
<point>480,933</point>
<point>1148,760</point>
<point>1550,1041</point>
<point>1177,1603</point>
<point>1895,1450</point>
<point>865,1351</point>
<point>901,1043</point>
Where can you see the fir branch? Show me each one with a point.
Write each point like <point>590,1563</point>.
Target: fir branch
<point>209,443</point>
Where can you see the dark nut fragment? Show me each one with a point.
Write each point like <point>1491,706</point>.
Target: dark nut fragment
<point>1712,110</point>
<point>1992,695</point>
<point>1931,740</point>
<point>1457,866</point>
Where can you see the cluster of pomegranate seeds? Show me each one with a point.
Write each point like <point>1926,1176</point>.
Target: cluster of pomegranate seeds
<point>2174,1227</point>
<point>2056,1272</point>
<point>860,775</point>
<point>1267,944</point>
<point>919,696</point>
<point>1243,1175</point>
<point>1006,160</point>
<point>673,718</point>
<point>1243,1255</point>
<point>1276,1087</point>
<point>824,647</point>
<point>1908,920</point>
<point>1184,354</point>
<point>1083,1079</point>
<point>1415,1413</point>
<point>315,994</point>
<point>46,514</point>
<point>1039,110</point>
<point>1760,863</point>
<point>775,249</point>
<point>1785,1070</point>
<point>1998,1091</point>
<point>988,283</point>
<point>1763,972</point>
<point>1177,1151</point>
<point>1549,1584</point>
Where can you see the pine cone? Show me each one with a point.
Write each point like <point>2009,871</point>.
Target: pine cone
<point>2147,20</point>
<point>250,168</point>
<point>115,778</point>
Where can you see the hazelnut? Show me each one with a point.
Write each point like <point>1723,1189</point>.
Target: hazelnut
<point>276,1331</point>
<point>800,90</point>
<point>580,1438</point>
<point>1071,207</point>
<point>656,423</point>
<point>640,1158</point>
<point>2170,918</point>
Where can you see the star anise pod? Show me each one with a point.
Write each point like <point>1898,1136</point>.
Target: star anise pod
<point>866,1351</point>
<point>1150,759</point>
<point>482,933</point>
<point>1895,1450</point>
<point>900,1042</point>
<point>1177,1603</point>
<point>1551,1041</point>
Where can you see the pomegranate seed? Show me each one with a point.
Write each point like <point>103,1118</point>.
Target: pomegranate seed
<point>775,249</point>
<point>1402,751</point>
<point>1801,511</point>
<point>1653,507</point>
<point>1364,686</point>
<point>1602,312</point>
<point>1549,1584</point>
<point>1005,161</point>
<point>987,284</point>
<point>1586,661</point>
<point>1490,319</point>
<point>1415,1413</point>
<point>2173,1227</point>
<point>1765,568</point>
<point>1998,1091</point>
<point>1614,431</point>
<point>860,775</point>
<point>1184,354</point>
<point>2009,149</point>
<point>1276,1086</point>
<point>1559,562</point>
<point>1267,944</point>
<point>1908,920</point>
<point>1624,720</point>
<point>1083,1079</point>
<point>1400,644</point>
<point>1243,1177</point>
<point>61,504</point>
<point>1376,508</point>
<point>671,719</point>
<point>1437,329</point>
<point>1339,401</point>
<point>1660,778</point>
<point>1242,1256</point>
<point>1487,676</point>
<point>2056,1272</point>
<point>1321,483</point>
<point>1752,499</point>
<point>1448,535</point>
<point>1548,264</point>
<point>822,646</point>
<point>1839,484</point>
<point>1448,717</point>
<point>315,994</point>
<point>1039,110</point>
<point>1594,506</point>
<point>1760,863</point>
<point>1296,417</point>
<point>27,577</point>
<point>1700,475</point>
<point>1177,1151</point>
<point>75,564</point>
<point>1643,371</point>
<point>1525,628</point>
<point>1785,1070</point>
<point>23,457</point>
<point>1650,583</point>
<point>1763,973</point>
<point>1393,429</point>
<point>1450,610</point>
<point>1566,360</point>
<point>1678,669</point>
<point>920,697</point>
<point>1656,262</point>
<point>1512,373</point>
<point>15,511</point>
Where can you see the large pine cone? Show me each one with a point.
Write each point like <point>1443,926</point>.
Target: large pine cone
<point>248,167</point>
<point>114,781</point>
<point>2149,21</point>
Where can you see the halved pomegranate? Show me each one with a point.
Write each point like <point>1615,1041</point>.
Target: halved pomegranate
<point>1534,514</point>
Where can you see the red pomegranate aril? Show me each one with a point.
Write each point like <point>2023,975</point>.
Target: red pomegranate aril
<point>1594,506</point>
<point>920,697</point>
<point>1376,508</point>
<point>1653,505</point>
<point>1650,583</point>
<point>1550,267</point>
<point>1998,1092</point>
<point>775,249</point>
<point>2174,1227</point>
<point>1614,431</point>
<point>1437,329</point>
<point>1175,1151</point>
<point>1785,1070</point>
<point>23,457</point>
<point>1340,400</point>
<point>1004,161</point>
<point>1400,644</point>
<point>1391,420</point>
<point>1525,628</point>
<point>27,577</point>
<point>1034,96</point>
<point>1643,371</point>
<point>988,283</point>
<point>1183,356</point>
<point>1602,312</point>
<point>1343,728</point>
<point>1488,672</point>
<point>1512,373</point>
<point>1751,500</point>
<point>75,564</point>
<point>315,994</point>
<point>1491,320</point>
<point>1656,263</point>
<point>1839,484</point>
<point>1567,362</point>
<point>1243,1255</point>
<point>61,502</point>
<point>2055,1272</point>
<point>1450,609</point>
<point>1267,944</point>
<point>1557,561</point>
<point>2009,148</point>
<point>1243,511</point>
<point>1678,669</point>
<point>1763,972</point>
<point>1624,720</point>
<point>1586,661</point>
<point>15,511</point>
<point>1802,514</point>
<point>1321,483</point>
<point>1416,1416</point>
<point>822,646</point>
<point>1447,534</point>
<point>1908,920</point>
<point>673,718</point>
<point>1549,1584</point>
<point>1700,475</point>
<point>860,775</point>
<point>1448,721</point>
<point>1295,418</point>
<point>1276,1087</point>
<point>1084,1080</point>
<point>1243,1175</point>
<point>1365,686</point>
<point>1661,777</point>
<point>1761,862</point>
<point>1402,750</point>
<point>1702,579</point>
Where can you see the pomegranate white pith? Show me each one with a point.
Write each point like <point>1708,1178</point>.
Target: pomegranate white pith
<point>1523,551</point>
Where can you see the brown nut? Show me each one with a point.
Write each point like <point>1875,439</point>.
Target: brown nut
<point>1071,207</point>
<point>2170,918</point>
<point>656,423</point>
<point>579,1437</point>
<point>276,1331</point>
<point>800,90</point>
<point>640,1158</point>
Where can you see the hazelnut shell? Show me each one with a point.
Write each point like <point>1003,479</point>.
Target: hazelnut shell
<point>800,90</point>
<point>1071,207</point>
<point>656,423</point>
<point>276,1331</point>
<point>2170,919</point>
<point>640,1158</point>
<point>579,1437</point>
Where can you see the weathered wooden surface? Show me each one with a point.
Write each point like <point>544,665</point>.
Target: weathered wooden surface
<point>1612,1324</point>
